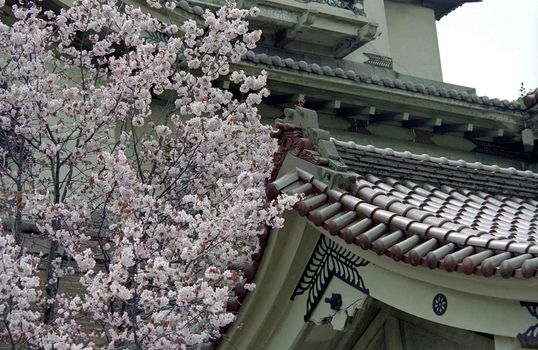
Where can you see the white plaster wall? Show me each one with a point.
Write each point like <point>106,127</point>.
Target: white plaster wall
<point>413,40</point>
<point>375,9</point>
<point>507,343</point>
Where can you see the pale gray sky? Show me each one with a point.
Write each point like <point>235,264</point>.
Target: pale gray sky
<point>491,46</point>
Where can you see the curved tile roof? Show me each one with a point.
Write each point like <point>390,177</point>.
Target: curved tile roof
<point>289,63</point>
<point>437,170</point>
<point>438,227</point>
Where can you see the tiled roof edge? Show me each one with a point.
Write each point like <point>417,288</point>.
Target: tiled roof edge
<point>406,230</point>
<point>439,15</point>
<point>441,160</point>
<point>374,79</point>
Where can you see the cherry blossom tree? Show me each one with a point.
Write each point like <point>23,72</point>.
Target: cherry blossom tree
<point>133,187</point>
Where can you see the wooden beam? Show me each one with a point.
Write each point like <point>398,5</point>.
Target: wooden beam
<point>422,122</point>
<point>370,333</point>
<point>346,90</point>
<point>352,112</point>
<point>393,338</point>
<point>362,318</point>
<point>305,331</point>
<point>367,33</point>
<point>389,117</point>
<point>367,110</point>
<point>292,99</point>
<point>321,105</point>
<point>362,117</point>
<point>506,139</point>
<point>527,137</point>
<point>349,112</point>
<point>484,133</point>
<point>453,128</point>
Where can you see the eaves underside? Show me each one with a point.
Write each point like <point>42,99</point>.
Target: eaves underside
<point>350,92</point>
<point>444,7</point>
<point>441,7</point>
<point>423,210</point>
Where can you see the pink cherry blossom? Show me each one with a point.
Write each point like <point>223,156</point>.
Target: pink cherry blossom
<point>138,184</point>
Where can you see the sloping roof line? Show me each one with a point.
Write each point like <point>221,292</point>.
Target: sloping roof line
<point>441,14</point>
<point>531,99</point>
<point>289,63</point>
<point>465,231</point>
<point>444,7</point>
<point>438,170</point>
<point>440,160</point>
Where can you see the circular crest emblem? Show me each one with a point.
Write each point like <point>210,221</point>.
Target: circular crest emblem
<point>439,304</point>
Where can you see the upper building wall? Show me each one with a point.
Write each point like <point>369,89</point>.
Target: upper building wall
<point>399,36</point>
<point>374,9</point>
<point>407,37</point>
<point>413,40</point>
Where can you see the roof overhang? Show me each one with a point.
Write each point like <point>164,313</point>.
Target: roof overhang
<point>390,241</point>
<point>273,316</point>
<point>348,94</point>
<point>443,7</point>
<point>440,7</point>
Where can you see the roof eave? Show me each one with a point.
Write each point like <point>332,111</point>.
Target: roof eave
<point>444,7</point>
<point>348,90</point>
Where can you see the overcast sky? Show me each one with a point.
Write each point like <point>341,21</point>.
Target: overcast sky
<point>491,46</point>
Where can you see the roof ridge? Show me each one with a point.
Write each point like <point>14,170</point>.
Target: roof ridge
<point>440,160</point>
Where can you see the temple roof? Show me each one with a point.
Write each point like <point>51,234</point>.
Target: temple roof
<point>422,210</point>
<point>438,171</point>
<point>411,218</point>
<point>421,224</point>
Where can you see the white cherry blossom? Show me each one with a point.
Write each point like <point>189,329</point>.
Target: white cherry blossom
<point>143,182</point>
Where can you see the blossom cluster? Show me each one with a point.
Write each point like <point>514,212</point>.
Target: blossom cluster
<point>145,181</point>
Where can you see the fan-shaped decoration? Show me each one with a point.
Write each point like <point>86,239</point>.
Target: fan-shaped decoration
<point>327,261</point>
